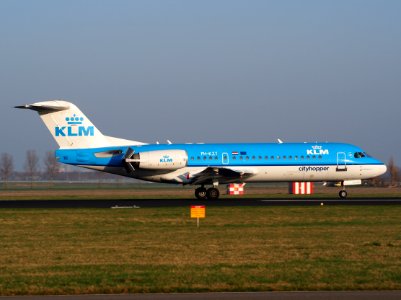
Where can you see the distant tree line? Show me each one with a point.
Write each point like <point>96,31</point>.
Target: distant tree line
<point>45,169</point>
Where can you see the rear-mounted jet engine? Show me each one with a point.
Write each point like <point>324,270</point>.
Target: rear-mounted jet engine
<point>156,160</point>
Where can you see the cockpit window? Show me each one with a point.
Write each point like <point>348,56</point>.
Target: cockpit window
<point>359,154</point>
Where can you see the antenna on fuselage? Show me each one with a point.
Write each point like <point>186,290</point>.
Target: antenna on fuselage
<point>280,141</point>
<point>169,142</point>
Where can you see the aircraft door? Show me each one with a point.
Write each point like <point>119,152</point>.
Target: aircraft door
<point>341,161</point>
<point>224,158</point>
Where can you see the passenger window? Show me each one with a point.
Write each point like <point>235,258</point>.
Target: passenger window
<point>284,157</point>
<point>260,157</point>
<point>254,157</point>
<point>240,157</point>
<point>266,157</point>
<point>234,158</point>
<point>320,157</point>
<point>302,157</point>
<point>204,158</point>
<point>314,156</point>
<point>247,157</point>
<point>290,157</point>
<point>278,156</point>
<point>272,157</point>
<point>307,157</point>
<point>198,158</point>
<point>192,158</point>
<point>295,157</point>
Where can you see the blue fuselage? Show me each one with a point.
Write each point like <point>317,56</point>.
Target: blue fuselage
<point>225,163</point>
<point>230,155</point>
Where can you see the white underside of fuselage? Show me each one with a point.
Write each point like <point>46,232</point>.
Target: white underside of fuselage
<point>257,173</point>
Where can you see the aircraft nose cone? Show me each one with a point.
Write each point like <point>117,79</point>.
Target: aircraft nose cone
<point>378,170</point>
<point>382,169</point>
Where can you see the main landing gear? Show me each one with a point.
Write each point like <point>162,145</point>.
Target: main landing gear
<point>202,193</point>
<point>343,193</point>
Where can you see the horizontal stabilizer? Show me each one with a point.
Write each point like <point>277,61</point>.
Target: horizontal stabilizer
<point>47,106</point>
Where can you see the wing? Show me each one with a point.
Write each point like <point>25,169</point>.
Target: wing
<point>222,175</point>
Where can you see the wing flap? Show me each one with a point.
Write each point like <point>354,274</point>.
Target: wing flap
<point>222,175</point>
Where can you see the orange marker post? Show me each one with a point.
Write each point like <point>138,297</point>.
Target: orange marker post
<point>198,211</point>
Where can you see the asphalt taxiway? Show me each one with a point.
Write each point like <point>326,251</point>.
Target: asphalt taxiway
<point>138,203</point>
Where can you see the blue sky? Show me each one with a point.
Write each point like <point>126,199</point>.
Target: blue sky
<point>206,71</point>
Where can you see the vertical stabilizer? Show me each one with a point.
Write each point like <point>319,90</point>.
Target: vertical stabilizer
<point>68,125</point>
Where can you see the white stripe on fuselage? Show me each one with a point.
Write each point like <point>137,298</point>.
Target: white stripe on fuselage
<point>260,173</point>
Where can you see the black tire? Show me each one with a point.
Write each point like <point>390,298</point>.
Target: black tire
<point>200,193</point>
<point>343,194</point>
<point>213,194</point>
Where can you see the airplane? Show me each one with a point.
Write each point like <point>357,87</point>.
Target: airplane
<point>82,144</point>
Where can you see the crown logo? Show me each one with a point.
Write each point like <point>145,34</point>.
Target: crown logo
<point>74,120</point>
<point>316,147</point>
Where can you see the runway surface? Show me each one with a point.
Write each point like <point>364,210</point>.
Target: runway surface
<point>351,295</point>
<point>129,203</point>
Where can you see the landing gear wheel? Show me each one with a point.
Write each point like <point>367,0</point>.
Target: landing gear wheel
<point>212,194</point>
<point>200,193</point>
<point>343,194</point>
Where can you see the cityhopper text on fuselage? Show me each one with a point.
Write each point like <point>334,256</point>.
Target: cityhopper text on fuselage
<point>82,144</point>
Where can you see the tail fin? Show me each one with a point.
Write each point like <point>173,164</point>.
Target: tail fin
<point>70,127</point>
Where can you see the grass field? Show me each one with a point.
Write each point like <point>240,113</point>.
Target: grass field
<point>73,251</point>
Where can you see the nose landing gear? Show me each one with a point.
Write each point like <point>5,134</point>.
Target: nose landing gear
<point>343,193</point>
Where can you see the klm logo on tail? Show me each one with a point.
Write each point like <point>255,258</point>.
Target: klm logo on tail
<point>75,128</point>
